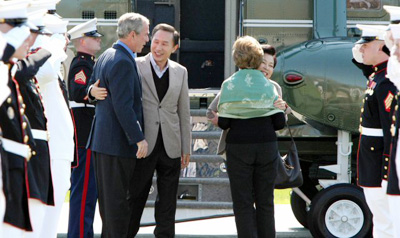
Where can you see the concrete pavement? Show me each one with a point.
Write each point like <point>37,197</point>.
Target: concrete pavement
<point>285,222</point>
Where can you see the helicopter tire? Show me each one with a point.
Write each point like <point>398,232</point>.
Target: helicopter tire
<point>298,205</point>
<point>340,211</point>
<point>299,209</point>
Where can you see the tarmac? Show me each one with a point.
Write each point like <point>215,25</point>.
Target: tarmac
<point>285,223</point>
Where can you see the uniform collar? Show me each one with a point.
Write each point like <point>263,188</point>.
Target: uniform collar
<point>86,55</point>
<point>379,67</point>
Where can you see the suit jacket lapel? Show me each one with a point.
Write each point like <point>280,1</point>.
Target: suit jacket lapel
<point>148,76</point>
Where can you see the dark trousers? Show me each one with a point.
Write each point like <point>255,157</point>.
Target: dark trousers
<point>82,202</point>
<point>114,179</point>
<point>168,171</point>
<point>252,171</point>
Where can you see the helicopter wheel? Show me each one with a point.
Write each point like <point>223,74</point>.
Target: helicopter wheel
<point>340,211</point>
<point>298,205</point>
<point>299,208</point>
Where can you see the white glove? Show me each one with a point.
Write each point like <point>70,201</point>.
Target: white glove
<point>3,43</point>
<point>42,41</point>
<point>17,35</point>
<point>4,89</point>
<point>49,71</point>
<point>388,40</point>
<point>357,55</point>
<point>58,42</point>
<point>393,71</point>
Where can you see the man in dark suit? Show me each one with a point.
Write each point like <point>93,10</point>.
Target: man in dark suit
<point>116,138</point>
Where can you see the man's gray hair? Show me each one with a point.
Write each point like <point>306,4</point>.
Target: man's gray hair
<point>130,22</point>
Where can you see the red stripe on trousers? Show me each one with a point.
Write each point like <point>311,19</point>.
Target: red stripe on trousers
<point>84,193</point>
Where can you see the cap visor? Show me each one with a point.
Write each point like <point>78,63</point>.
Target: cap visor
<point>363,41</point>
<point>95,34</point>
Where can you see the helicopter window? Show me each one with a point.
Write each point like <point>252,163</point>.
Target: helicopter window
<point>110,14</point>
<point>364,4</point>
<point>87,14</point>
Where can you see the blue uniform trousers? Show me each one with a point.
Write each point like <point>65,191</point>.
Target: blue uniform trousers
<point>83,197</point>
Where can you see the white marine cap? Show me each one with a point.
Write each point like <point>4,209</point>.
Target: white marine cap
<point>395,28</point>
<point>37,18</point>
<point>42,4</point>
<point>88,28</point>
<point>394,13</point>
<point>15,13</point>
<point>55,24</point>
<point>371,33</point>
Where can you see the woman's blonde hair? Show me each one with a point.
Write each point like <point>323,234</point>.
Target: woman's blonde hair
<point>247,53</point>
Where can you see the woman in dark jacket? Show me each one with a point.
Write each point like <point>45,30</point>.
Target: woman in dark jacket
<point>246,109</point>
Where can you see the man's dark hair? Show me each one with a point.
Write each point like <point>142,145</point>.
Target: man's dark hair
<point>168,28</point>
<point>269,49</point>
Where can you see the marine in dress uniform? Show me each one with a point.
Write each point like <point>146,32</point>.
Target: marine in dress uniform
<point>83,197</point>
<point>393,181</point>
<point>59,119</point>
<point>375,138</point>
<point>17,138</point>
<point>39,172</point>
<point>8,43</point>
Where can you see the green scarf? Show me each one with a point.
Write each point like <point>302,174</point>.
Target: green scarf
<point>247,94</point>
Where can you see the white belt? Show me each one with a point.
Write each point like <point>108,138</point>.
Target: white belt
<point>74,104</point>
<point>17,148</point>
<point>371,131</point>
<point>40,134</point>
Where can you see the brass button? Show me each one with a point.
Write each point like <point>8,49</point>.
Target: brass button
<point>386,159</point>
<point>396,107</point>
<point>20,99</point>
<point>372,148</point>
<point>9,100</point>
<point>376,69</point>
<point>385,176</point>
<point>22,111</point>
<point>362,110</point>
<point>24,125</point>
<point>33,152</point>
<point>23,106</point>
<point>360,119</point>
<point>384,167</point>
<point>393,118</point>
<point>363,100</point>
